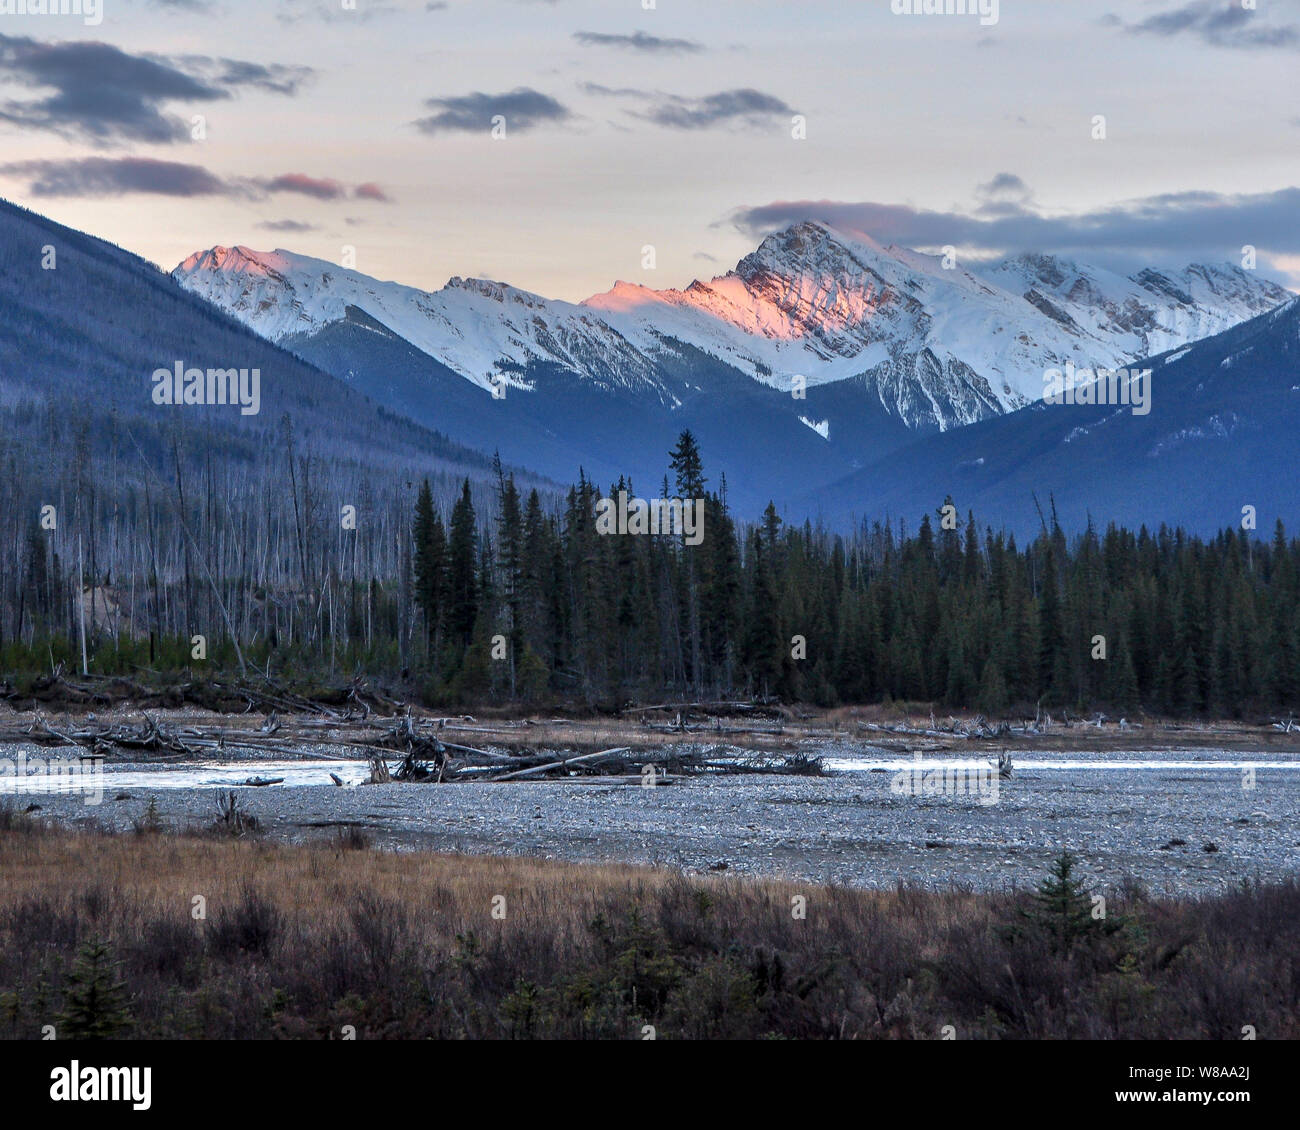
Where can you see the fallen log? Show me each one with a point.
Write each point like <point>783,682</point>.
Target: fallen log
<point>547,766</point>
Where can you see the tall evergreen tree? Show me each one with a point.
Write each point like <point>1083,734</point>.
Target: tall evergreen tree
<point>462,578</point>
<point>429,564</point>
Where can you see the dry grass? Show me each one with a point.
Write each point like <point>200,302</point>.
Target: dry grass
<point>300,941</point>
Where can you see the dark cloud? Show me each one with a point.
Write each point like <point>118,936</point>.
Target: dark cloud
<point>1174,224</point>
<point>274,78</point>
<point>1005,195</point>
<point>103,176</point>
<point>319,188</point>
<point>1002,186</point>
<point>523,109</point>
<point>1217,23</point>
<point>745,106</point>
<point>371,191</point>
<point>638,41</point>
<point>99,93</point>
<point>287,226</point>
<point>739,107</point>
<point>96,92</point>
<point>726,106</point>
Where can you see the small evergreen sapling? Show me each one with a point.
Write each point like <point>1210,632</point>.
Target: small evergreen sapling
<point>95,1004</point>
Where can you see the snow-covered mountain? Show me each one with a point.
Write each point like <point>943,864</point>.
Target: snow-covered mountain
<point>813,302</point>
<point>1217,442</point>
<point>933,348</point>
<point>1150,313</point>
<point>488,332</point>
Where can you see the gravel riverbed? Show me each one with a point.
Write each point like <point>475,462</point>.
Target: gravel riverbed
<point>1118,811</point>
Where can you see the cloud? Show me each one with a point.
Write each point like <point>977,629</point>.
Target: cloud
<point>638,41</point>
<point>98,93</point>
<point>103,176</point>
<point>744,106</point>
<point>287,226</point>
<point>523,109</point>
<point>1005,195</point>
<point>118,176</point>
<point>1002,186</point>
<point>320,188</point>
<point>614,91</point>
<point>1173,225</point>
<point>1217,23</point>
<point>274,78</point>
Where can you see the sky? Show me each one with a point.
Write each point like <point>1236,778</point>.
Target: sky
<point>548,143</point>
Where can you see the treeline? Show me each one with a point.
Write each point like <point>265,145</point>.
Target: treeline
<point>509,597</point>
<point>1116,620</point>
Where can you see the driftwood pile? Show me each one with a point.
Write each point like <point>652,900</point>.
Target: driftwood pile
<point>658,766</point>
<point>150,736</point>
<point>430,759</point>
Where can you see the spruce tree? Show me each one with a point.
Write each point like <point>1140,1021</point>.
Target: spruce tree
<point>1061,906</point>
<point>95,1002</point>
<point>510,551</point>
<point>430,552</point>
<point>1051,633</point>
<point>688,467</point>
<point>462,577</point>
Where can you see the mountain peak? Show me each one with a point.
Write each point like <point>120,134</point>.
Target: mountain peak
<point>238,259</point>
<point>495,291</point>
<point>808,242</point>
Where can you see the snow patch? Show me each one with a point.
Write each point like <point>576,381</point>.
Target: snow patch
<point>821,427</point>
